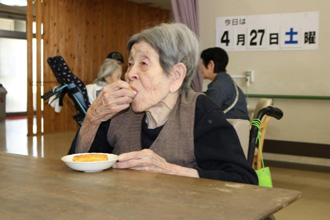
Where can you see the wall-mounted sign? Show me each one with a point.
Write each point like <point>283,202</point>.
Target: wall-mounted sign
<point>292,31</point>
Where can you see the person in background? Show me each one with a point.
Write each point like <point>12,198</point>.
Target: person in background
<point>222,90</point>
<point>120,59</point>
<point>116,56</point>
<point>155,122</point>
<point>109,72</point>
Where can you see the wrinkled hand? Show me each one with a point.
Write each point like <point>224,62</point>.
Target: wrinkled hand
<point>112,99</point>
<point>145,160</point>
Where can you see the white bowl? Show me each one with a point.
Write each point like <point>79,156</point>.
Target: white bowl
<point>89,166</point>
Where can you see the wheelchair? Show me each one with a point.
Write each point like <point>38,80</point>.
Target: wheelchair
<point>255,133</point>
<point>69,84</point>
<point>254,130</point>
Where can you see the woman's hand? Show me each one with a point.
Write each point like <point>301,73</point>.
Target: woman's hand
<point>147,160</point>
<point>112,99</point>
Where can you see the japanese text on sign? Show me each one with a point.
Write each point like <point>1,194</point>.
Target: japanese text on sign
<point>293,31</point>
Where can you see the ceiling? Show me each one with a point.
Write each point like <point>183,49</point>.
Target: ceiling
<point>12,11</point>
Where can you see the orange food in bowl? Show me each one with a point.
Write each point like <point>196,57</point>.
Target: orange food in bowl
<point>90,158</point>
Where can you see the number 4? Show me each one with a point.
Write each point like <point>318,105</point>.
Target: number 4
<point>225,38</point>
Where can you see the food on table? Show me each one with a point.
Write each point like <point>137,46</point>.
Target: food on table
<point>90,158</point>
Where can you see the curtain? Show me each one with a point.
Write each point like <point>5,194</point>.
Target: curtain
<point>187,12</point>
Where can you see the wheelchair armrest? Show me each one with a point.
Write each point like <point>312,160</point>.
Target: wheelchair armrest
<point>48,94</point>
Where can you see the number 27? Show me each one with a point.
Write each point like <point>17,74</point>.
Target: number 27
<point>253,34</point>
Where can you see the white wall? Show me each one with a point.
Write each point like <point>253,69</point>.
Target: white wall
<point>281,72</point>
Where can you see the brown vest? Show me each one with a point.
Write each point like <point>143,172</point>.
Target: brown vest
<point>175,142</point>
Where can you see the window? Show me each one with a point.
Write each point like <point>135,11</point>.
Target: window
<point>13,73</point>
<point>13,60</point>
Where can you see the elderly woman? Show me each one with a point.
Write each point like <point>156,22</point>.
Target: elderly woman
<point>155,122</point>
<point>109,72</point>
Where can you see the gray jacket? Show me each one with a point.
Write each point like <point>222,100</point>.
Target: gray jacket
<point>222,92</point>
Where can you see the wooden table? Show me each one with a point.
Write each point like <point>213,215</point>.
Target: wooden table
<point>37,188</point>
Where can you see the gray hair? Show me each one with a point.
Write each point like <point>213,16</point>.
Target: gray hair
<point>175,43</point>
<point>108,67</point>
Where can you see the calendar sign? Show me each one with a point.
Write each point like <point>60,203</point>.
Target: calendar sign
<point>291,31</point>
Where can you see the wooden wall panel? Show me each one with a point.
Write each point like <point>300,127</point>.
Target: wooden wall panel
<point>84,32</point>
<point>29,36</point>
<point>38,67</point>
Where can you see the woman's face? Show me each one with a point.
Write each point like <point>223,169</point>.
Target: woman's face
<point>114,77</point>
<point>146,77</point>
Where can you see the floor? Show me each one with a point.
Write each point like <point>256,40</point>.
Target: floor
<point>315,186</point>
